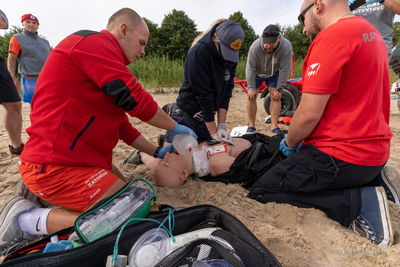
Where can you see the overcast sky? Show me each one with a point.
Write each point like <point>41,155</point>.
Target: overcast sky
<point>58,18</point>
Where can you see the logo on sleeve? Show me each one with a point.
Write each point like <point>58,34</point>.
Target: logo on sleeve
<point>313,70</point>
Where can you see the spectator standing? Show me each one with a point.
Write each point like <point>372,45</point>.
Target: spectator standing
<point>31,51</point>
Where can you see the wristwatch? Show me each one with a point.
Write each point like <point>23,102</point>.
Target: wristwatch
<point>157,151</point>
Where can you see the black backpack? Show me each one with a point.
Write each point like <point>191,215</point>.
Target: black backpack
<point>254,161</point>
<point>248,250</point>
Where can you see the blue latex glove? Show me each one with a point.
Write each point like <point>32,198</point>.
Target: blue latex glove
<point>165,150</point>
<point>288,151</point>
<point>182,129</point>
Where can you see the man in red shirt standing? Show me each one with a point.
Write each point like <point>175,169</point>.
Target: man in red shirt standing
<point>343,119</point>
<point>79,113</point>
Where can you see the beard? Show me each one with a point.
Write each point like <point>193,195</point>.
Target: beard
<point>315,28</point>
<point>269,50</point>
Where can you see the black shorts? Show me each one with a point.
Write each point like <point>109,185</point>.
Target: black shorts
<point>8,91</point>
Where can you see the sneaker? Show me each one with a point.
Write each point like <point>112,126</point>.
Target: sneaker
<point>16,151</point>
<point>23,191</point>
<point>134,158</point>
<point>389,179</point>
<point>251,130</point>
<point>161,140</point>
<point>276,130</point>
<point>11,237</point>
<point>373,218</point>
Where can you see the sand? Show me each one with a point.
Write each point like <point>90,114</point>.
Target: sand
<point>296,236</point>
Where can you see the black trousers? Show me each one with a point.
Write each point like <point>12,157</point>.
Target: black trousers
<point>313,179</point>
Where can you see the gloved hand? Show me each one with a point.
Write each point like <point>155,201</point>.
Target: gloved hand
<point>223,135</point>
<point>182,129</point>
<point>165,150</point>
<point>288,151</point>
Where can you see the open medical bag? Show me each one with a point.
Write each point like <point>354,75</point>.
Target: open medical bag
<point>131,201</point>
<point>231,241</point>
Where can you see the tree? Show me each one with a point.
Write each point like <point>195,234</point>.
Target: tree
<point>396,34</point>
<point>300,42</point>
<point>249,34</point>
<point>177,33</point>
<point>153,46</point>
<point>5,41</point>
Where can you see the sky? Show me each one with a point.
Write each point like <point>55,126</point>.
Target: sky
<point>58,18</point>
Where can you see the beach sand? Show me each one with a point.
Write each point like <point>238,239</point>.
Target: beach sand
<point>296,236</point>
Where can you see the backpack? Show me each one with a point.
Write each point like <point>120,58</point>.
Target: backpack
<point>248,250</point>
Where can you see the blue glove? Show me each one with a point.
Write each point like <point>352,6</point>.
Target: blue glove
<point>165,150</point>
<point>288,151</point>
<point>182,129</point>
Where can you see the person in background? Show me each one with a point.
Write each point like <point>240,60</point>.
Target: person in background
<point>269,61</point>
<point>210,68</point>
<point>31,51</point>
<point>338,141</point>
<point>380,13</point>
<point>79,113</point>
<point>11,101</point>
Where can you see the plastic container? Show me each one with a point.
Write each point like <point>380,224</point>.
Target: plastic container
<point>184,144</point>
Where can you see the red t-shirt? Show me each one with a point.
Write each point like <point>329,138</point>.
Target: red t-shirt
<point>348,60</point>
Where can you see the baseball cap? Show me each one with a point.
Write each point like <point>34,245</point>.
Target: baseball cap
<point>270,34</point>
<point>231,37</point>
<point>29,16</point>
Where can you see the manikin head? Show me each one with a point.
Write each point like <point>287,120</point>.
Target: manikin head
<point>173,170</point>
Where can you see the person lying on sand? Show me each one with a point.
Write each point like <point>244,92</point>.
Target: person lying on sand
<point>174,169</point>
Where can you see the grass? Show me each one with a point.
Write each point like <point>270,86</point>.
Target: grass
<point>157,72</point>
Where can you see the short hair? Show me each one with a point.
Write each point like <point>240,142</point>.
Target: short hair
<point>125,15</point>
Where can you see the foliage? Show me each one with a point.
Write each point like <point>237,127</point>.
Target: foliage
<point>249,34</point>
<point>176,34</point>
<point>396,33</point>
<point>300,42</point>
<point>153,46</point>
<point>5,41</point>
<point>156,71</point>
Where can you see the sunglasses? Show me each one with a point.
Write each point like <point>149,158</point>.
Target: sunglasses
<point>274,33</point>
<point>301,16</point>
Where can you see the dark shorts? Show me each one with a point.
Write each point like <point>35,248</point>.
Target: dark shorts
<point>198,127</point>
<point>270,82</point>
<point>8,91</point>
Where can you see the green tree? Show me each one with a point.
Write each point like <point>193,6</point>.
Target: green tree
<point>396,33</point>
<point>300,42</point>
<point>249,34</point>
<point>5,41</point>
<point>177,33</point>
<point>153,46</point>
